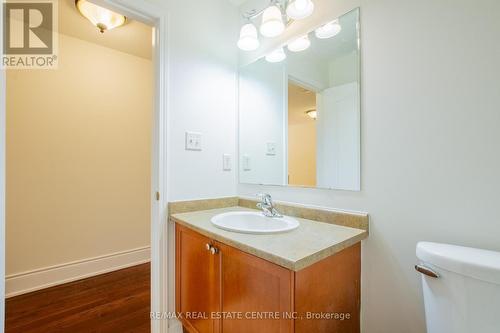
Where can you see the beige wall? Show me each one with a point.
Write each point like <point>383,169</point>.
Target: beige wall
<point>302,153</point>
<point>301,137</point>
<point>78,157</point>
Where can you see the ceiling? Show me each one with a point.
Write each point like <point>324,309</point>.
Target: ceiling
<point>134,37</point>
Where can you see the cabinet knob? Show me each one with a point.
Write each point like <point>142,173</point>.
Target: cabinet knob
<point>214,250</point>
<point>208,246</point>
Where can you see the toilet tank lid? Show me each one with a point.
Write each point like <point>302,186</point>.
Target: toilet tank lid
<point>475,263</point>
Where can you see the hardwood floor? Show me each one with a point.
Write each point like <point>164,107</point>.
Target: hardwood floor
<point>116,302</point>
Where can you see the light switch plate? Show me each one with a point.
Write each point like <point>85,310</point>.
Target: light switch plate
<point>271,148</point>
<point>246,163</point>
<point>226,162</point>
<point>193,141</point>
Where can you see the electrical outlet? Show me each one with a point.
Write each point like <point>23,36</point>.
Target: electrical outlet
<point>193,141</point>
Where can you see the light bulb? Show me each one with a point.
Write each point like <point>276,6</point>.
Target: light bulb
<point>277,55</point>
<point>328,30</point>
<point>300,44</point>
<point>272,22</point>
<point>300,9</point>
<point>248,38</point>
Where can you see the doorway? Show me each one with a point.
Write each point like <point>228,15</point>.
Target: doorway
<point>302,135</point>
<point>155,16</point>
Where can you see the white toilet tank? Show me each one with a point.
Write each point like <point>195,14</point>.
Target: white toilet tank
<point>465,297</point>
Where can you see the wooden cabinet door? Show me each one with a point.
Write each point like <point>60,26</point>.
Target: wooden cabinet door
<point>197,281</point>
<point>255,289</point>
<point>331,286</point>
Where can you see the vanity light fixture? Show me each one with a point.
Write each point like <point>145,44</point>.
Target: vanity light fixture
<point>249,41</point>
<point>104,19</point>
<point>300,44</point>
<point>277,55</point>
<point>275,18</point>
<point>300,9</point>
<point>328,30</point>
<point>272,22</point>
<point>313,114</point>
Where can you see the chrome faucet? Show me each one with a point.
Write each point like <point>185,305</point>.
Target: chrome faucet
<point>267,206</point>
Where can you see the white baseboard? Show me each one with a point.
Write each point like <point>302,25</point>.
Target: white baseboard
<point>25,282</point>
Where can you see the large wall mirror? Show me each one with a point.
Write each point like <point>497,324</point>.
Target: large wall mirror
<point>299,117</point>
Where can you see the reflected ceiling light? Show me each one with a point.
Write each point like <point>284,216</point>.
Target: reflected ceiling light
<point>104,19</point>
<point>300,9</point>
<point>249,40</point>
<point>328,30</point>
<point>277,55</point>
<point>272,22</point>
<point>313,114</point>
<point>300,44</point>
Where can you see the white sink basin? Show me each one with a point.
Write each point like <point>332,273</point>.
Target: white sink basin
<point>253,223</point>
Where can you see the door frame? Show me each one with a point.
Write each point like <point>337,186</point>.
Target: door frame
<point>2,180</point>
<point>155,15</point>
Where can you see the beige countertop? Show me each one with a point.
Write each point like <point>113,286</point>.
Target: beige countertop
<point>311,242</point>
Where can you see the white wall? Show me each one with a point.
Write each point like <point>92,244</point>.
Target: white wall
<point>202,93</point>
<point>202,65</point>
<point>430,161</point>
<point>262,118</point>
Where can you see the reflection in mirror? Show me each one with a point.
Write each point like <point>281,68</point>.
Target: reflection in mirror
<point>300,118</point>
<point>302,133</point>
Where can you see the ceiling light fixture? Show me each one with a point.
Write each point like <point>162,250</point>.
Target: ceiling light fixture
<point>313,114</point>
<point>277,55</point>
<point>300,44</point>
<point>249,41</point>
<point>104,19</point>
<point>272,22</point>
<point>328,30</point>
<point>300,9</point>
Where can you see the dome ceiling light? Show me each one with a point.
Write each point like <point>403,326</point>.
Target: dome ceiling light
<point>313,114</point>
<point>104,19</point>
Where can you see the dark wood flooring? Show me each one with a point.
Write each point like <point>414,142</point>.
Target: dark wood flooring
<point>116,302</point>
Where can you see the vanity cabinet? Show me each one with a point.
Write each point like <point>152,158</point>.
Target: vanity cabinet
<point>254,287</point>
<point>221,289</point>
<point>197,281</point>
